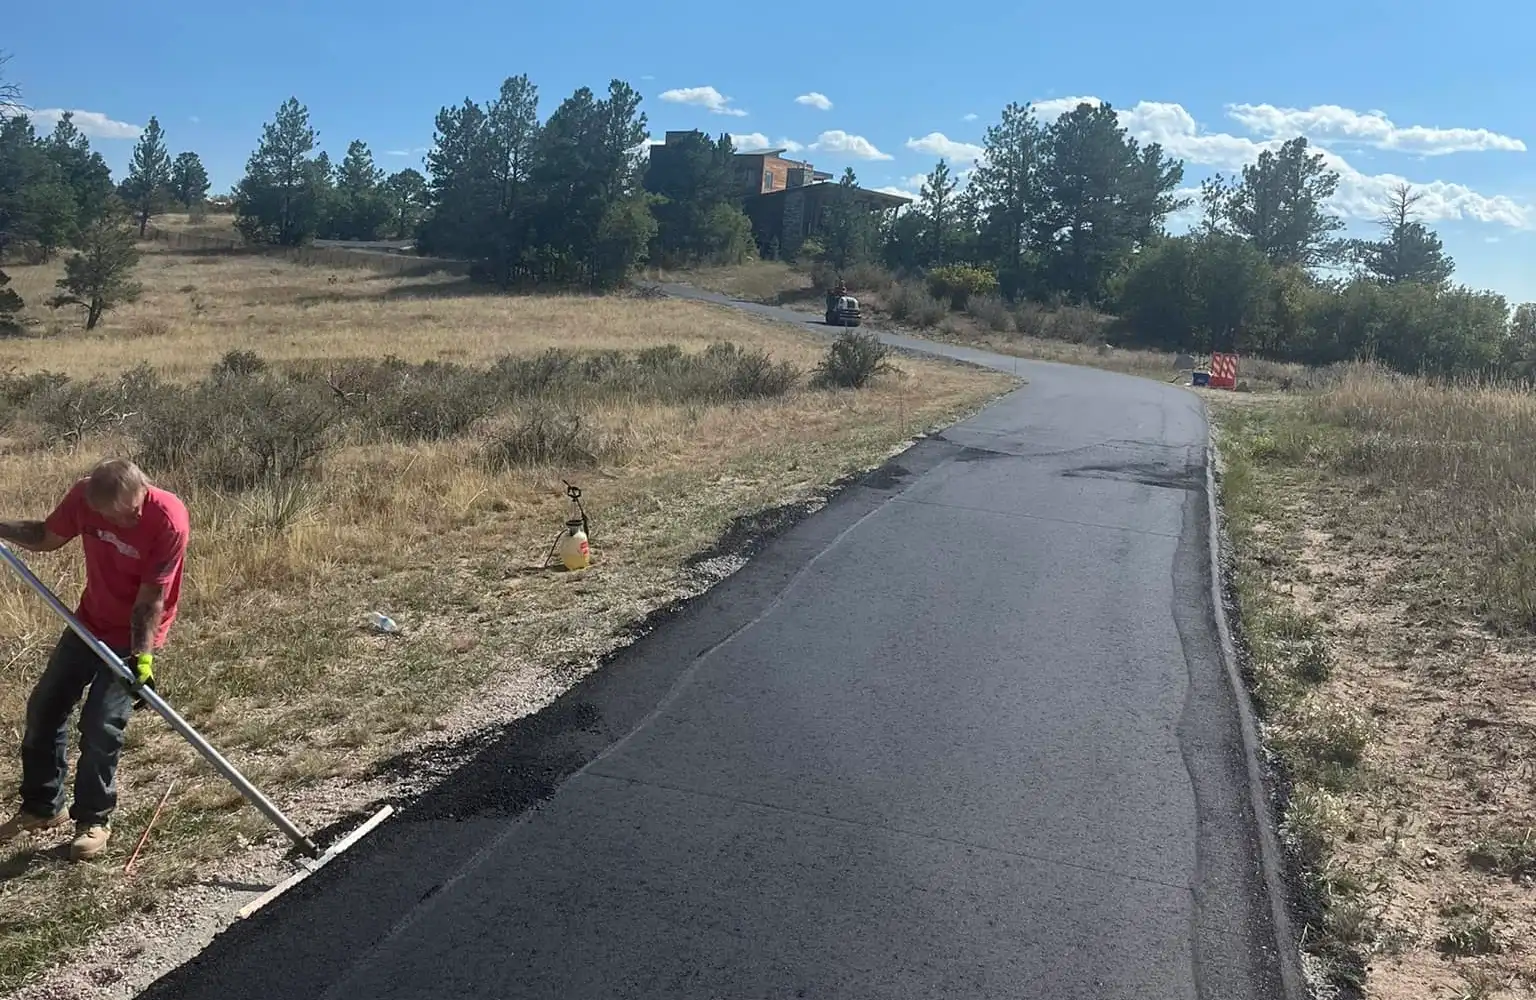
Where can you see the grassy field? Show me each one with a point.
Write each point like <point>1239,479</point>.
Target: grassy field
<point>398,445</point>
<point>215,225</point>
<point>1385,546</point>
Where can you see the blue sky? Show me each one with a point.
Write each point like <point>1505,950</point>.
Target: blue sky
<point>1437,95</point>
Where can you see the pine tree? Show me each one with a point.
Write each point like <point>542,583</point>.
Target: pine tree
<point>1007,186</point>
<point>481,195</point>
<point>149,175</point>
<point>692,177</point>
<point>937,205</point>
<point>849,229</point>
<point>405,193</point>
<point>10,308</point>
<point>361,206</point>
<point>86,183</point>
<point>1408,251</point>
<point>1102,197</point>
<point>279,199</point>
<point>98,277</point>
<point>1280,205</point>
<point>189,181</point>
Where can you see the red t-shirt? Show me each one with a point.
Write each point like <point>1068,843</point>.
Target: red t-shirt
<point>118,560</point>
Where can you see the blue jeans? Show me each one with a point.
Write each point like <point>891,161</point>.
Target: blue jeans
<point>103,721</point>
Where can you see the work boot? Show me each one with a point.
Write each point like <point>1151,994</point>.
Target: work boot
<point>25,822</point>
<point>90,840</point>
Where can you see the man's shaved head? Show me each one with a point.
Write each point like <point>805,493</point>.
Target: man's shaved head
<point>116,488</point>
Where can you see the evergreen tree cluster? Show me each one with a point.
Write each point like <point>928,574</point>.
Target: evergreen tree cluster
<point>1075,210</point>
<point>557,201</point>
<point>1071,210</point>
<point>56,194</point>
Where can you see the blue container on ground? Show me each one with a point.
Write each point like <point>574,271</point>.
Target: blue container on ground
<point>1202,378</point>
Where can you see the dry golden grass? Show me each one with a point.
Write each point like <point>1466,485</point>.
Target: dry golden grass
<point>770,281</point>
<point>1385,541</point>
<point>215,225</point>
<point>272,657</point>
<point>197,307</point>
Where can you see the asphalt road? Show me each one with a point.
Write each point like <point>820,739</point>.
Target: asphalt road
<point>965,732</point>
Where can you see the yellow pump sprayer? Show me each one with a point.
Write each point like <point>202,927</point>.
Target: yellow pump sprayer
<point>571,545</point>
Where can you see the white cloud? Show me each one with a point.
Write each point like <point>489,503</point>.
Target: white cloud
<point>703,97</point>
<point>1190,215</point>
<point>970,117</point>
<point>856,146</point>
<point>1374,128</point>
<point>747,142</point>
<point>92,123</point>
<point>415,151</point>
<point>939,144</point>
<point>1359,195</point>
<point>1362,196</point>
<point>820,102</point>
<point>899,192</point>
<point>1058,106</point>
<point>1176,130</point>
<point>647,76</point>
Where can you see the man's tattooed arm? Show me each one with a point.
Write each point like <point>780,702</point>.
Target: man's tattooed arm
<point>147,612</point>
<point>30,535</point>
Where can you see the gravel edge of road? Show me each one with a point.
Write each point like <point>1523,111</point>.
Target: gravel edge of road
<point>1272,857</point>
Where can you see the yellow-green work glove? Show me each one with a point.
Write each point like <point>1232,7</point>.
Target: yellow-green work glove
<point>143,667</point>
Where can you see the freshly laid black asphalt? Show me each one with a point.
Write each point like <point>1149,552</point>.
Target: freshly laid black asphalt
<point>965,732</point>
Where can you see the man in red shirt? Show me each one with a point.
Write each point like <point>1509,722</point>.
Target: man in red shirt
<point>135,537</point>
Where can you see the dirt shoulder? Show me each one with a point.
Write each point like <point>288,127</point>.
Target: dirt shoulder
<point>1395,675</point>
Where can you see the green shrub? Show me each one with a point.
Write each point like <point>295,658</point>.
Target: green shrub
<point>928,312</point>
<point>236,364</point>
<point>721,372</point>
<point>238,432</point>
<point>1471,930</point>
<point>544,436</point>
<point>957,283</point>
<point>1315,664</point>
<point>854,360</point>
<point>1509,851</point>
<point>1074,324</point>
<point>1325,741</point>
<point>911,303</point>
<point>437,403</point>
<point>248,424</point>
<point>869,278</point>
<point>18,391</point>
<point>993,311</point>
<point>755,375</point>
<point>810,250</point>
<point>68,411</point>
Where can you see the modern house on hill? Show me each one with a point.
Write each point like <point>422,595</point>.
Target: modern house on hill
<point>764,171</point>
<point>785,199</point>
